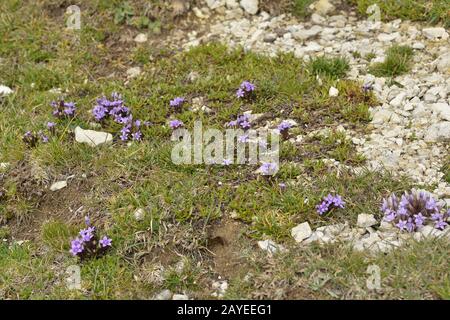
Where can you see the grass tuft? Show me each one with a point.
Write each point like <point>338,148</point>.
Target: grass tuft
<point>333,68</point>
<point>397,62</point>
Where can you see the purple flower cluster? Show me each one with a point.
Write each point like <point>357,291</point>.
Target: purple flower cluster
<point>283,128</point>
<point>87,245</point>
<point>245,89</point>
<point>62,109</point>
<point>177,102</point>
<point>242,121</point>
<point>268,168</point>
<point>175,124</point>
<point>329,202</point>
<point>414,210</point>
<point>31,138</point>
<point>116,110</point>
<point>113,108</point>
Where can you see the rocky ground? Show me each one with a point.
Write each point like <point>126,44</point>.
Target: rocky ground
<point>195,257</point>
<point>411,126</point>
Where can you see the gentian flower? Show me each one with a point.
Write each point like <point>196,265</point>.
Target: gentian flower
<point>175,124</point>
<point>330,202</point>
<point>268,168</point>
<point>63,109</point>
<point>245,89</point>
<point>415,209</point>
<point>76,247</point>
<point>177,102</point>
<point>105,242</point>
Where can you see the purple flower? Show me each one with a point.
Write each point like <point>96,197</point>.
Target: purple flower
<point>410,226</point>
<point>137,136</point>
<point>268,168</point>
<point>245,89</point>
<point>440,224</point>
<point>125,132</point>
<point>227,162</point>
<point>177,102</point>
<point>284,125</point>
<point>105,242</point>
<point>431,204</point>
<point>99,112</point>
<point>390,216</point>
<point>419,219</point>
<point>175,124</point>
<point>87,220</point>
<point>51,125</point>
<point>240,93</point>
<point>329,202</point>
<point>401,225</point>
<point>248,86</point>
<point>243,138</point>
<point>437,216</point>
<point>243,121</point>
<point>87,234</point>
<point>245,125</point>
<point>63,109</point>
<point>76,247</point>
<point>114,108</point>
<point>415,209</point>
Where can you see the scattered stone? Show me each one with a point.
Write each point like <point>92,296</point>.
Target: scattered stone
<point>418,46</point>
<point>443,63</point>
<point>333,92</point>
<point>442,110</point>
<point>180,297</point>
<point>91,137</point>
<point>270,37</point>
<point>270,246</point>
<point>166,294</point>
<point>366,220</point>
<point>323,7</point>
<point>398,100</point>
<point>133,72</point>
<point>438,132</point>
<point>220,287</point>
<point>317,19</point>
<point>4,91</point>
<point>301,232</point>
<point>139,214</point>
<point>4,165</point>
<point>214,4</point>
<point>250,6</point>
<point>388,37</point>
<point>58,186</point>
<point>141,38</point>
<point>305,34</point>
<point>435,33</point>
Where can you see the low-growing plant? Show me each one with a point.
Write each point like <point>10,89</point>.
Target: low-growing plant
<point>333,68</point>
<point>397,62</point>
<point>414,210</point>
<point>88,245</point>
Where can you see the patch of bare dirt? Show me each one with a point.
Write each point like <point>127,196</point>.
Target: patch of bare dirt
<point>224,243</point>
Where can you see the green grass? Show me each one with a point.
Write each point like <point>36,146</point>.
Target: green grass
<point>333,68</point>
<point>336,272</point>
<point>184,205</point>
<point>300,8</point>
<point>434,11</point>
<point>397,62</point>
